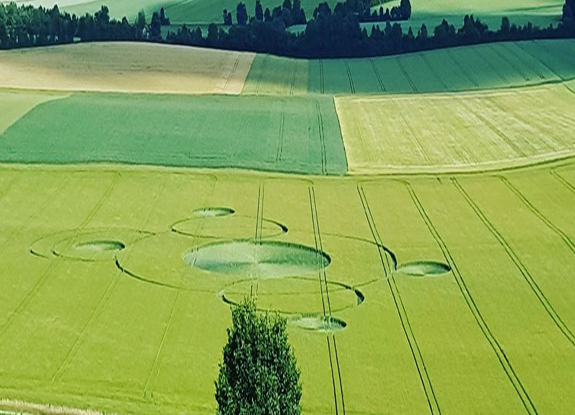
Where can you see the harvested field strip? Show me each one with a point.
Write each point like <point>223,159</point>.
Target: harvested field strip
<point>182,131</point>
<point>473,131</point>
<point>126,67</point>
<point>496,284</point>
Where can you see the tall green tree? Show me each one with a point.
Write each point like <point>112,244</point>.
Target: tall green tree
<point>258,375</point>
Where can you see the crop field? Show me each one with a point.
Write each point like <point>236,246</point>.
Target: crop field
<point>411,217</point>
<point>491,66</point>
<point>265,133</point>
<point>438,132</point>
<point>444,295</point>
<point>125,67</point>
<point>148,68</point>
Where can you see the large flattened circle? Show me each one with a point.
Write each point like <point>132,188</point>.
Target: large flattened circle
<point>159,260</point>
<point>265,259</point>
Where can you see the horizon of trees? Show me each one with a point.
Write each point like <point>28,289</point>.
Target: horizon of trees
<point>294,14</point>
<point>328,34</point>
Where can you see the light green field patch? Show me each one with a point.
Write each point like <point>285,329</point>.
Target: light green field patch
<point>275,75</point>
<point>491,66</point>
<point>14,105</point>
<point>486,332</point>
<point>290,134</point>
<point>473,131</point>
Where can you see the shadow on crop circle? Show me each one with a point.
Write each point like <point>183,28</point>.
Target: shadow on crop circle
<point>213,212</point>
<point>100,246</point>
<point>266,259</point>
<point>423,268</point>
<point>320,324</point>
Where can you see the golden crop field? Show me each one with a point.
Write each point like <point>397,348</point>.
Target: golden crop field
<point>125,67</point>
<point>466,131</point>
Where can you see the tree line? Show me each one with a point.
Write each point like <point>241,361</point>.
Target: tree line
<point>328,33</point>
<point>337,33</point>
<point>293,14</point>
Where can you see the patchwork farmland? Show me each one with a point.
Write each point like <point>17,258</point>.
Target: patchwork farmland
<point>423,205</point>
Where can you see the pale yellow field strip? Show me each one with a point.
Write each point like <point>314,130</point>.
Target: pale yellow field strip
<point>14,105</point>
<point>126,67</point>
<point>457,132</point>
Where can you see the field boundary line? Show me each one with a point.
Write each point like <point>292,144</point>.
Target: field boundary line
<point>433,71</point>
<point>377,75</point>
<point>519,264</point>
<point>418,360</point>
<point>321,78</point>
<point>473,308</point>
<point>321,138</point>
<point>293,79</point>
<point>281,134</point>
<point>349,77</point>
<point>261,75</point>
<point>562,180</point>
<point>258,238</point>
<point>74,350</point>
<point>311,194</point>
<point>231,74</point>
<point>405,74</point>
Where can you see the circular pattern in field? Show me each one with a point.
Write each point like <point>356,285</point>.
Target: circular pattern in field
<point>423,268</point>
<point>100,246</point>
<point>267,259</point>
<point>213,212</point>
<point>227,227</point>
<point>86,245</point>
<point>295,295</point>
<point>321,324</point>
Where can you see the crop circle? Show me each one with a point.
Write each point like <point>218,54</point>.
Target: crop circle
<point>423,268</point>
<point>100,246</point>
<point>213,212</point>
<point>266,259</point>
<point>321,324</point>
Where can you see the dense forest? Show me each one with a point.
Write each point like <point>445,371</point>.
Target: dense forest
<point>328,33</point>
